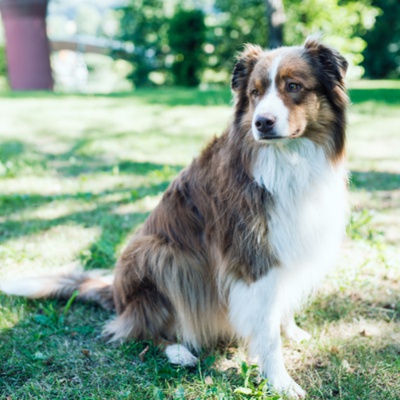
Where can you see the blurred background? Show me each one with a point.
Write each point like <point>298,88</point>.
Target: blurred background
<point>117,45</point>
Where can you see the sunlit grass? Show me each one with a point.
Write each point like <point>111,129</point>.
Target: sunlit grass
<point>79,174</point>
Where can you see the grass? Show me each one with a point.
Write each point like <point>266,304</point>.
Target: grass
<point>80,173</point>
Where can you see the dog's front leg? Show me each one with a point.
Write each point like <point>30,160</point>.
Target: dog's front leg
<point>255,313</point>
<point>267,346</point>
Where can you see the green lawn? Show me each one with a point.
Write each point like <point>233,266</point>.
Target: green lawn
<point>78,174</point>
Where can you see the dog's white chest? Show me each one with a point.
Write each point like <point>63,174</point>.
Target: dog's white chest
<point>307,220</point>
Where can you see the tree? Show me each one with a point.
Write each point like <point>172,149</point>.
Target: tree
<point>28,52</point>
<point>234,23</point>
<point>382,54</point>
<point>186,37</point>
<point>341,22</point>
<point>275,19</point>
<point>144,24</point>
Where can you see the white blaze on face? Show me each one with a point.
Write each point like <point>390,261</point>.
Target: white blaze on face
<point>272,104</point>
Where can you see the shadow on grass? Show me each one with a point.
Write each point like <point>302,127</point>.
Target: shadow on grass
<point>44,358</point>
<point>47,358</point>
<point>10,149</point>
<point>337,307</point>
<point>373,180</point>
<point>169,96</point>
<point>355,368</point>
<point>185,96</point>
<point>390,96</point>
<point>114,227</point>
<point>16,157</point>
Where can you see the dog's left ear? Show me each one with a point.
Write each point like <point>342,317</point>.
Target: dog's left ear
<point>333,64</point>
<point>245,63</point>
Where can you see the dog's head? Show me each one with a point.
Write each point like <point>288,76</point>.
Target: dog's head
<point>292,92</point>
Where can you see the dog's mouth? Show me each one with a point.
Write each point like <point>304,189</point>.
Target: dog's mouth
<point>276,138</point>
<point>272,138</point>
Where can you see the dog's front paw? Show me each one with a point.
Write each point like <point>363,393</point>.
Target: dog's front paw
<point>286,385</point>
<point>178,354</point>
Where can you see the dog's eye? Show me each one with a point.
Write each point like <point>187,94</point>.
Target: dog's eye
<point>255,92</point>
<point>293,87</point>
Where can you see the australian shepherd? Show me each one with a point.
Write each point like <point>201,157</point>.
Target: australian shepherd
<point>244,233</point>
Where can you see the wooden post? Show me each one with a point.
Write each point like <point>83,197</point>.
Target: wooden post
<point>27,45</point>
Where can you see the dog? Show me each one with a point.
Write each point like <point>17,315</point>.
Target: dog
<point>247,231</point>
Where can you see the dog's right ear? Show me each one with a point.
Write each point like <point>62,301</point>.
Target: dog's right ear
<point>245,63</point>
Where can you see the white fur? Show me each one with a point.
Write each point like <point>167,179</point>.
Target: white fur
<point>306,224</point>
<point>255,313</point>
<point>307,221</point>
<point>46,284</point>
<point>178,354</point>
<point>271,103</point>
<point>28,287</point>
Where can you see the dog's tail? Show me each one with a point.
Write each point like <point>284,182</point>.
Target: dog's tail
<point>92,286</point>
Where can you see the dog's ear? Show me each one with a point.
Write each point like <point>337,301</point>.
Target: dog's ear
<point>328,60</point>
<point>244,65</point>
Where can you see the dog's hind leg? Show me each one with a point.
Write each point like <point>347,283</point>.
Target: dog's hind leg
<point>147,315</point>
<point>180,355</point>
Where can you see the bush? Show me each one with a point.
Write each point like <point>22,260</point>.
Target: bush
<point>143,24</point>
<point>186,38</point>
<point>3,61</point>
<point>382,55</point>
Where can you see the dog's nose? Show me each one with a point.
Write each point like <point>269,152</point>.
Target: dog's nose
<point>265,123</point>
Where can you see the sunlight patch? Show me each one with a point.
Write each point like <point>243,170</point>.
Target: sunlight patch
<point>54,247</point>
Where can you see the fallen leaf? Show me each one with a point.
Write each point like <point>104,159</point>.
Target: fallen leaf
<point>86,352</point>
<point>334,350</point>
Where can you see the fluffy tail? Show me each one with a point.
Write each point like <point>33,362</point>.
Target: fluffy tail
<point>92,286</point>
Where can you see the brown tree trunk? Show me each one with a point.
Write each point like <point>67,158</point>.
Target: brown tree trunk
<point>27,45</point>
<point>276,18</point>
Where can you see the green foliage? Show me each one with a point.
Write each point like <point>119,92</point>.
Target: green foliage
<point>88,20</point>
<point>235,23</point>
<point>250,388</point>
<point>50,317</point>
<point>231,24</point>
<point>3,61</point>
<point>3,80</point>
<point>186,37</point>
<point>382,55</point>
<point>342,24</point>
<point>360,226</point>
<point>144,24</point>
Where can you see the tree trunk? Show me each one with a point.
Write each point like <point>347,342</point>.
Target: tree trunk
<point>27,45</point>
<point>276,18</point>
